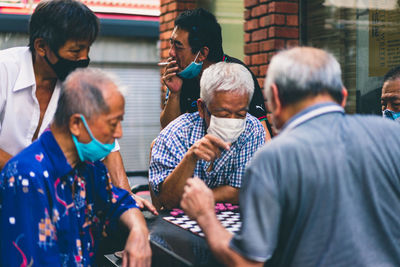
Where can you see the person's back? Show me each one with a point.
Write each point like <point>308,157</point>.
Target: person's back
<point>337,200</point>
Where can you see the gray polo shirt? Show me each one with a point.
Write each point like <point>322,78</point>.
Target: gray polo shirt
<point>325,192</point>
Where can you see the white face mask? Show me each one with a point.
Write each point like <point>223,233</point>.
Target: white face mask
<point>227,129</point>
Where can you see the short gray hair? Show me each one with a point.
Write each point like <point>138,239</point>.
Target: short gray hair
<point>304,71</point>
<point>82,92</point>
<point>224,76</point>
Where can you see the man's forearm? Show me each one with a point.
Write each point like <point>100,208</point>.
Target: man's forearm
<point>137,250</point>
<point>218,239</point>
<point>267,133</point>
<point>172,188</point>
<point>4,157</point>
<point>134,218</point>
<point>116,170</point>
<point>171,111</point>
<point>226,193</point>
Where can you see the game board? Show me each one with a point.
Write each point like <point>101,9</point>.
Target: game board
<point>227,214</point>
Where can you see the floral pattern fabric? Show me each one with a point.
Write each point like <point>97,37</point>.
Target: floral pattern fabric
<point>52,214</point>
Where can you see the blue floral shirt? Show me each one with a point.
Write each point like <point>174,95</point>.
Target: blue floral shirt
<point>52,214</point>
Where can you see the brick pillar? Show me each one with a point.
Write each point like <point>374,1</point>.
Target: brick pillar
<point>169,11</point>
<point>269,26</point>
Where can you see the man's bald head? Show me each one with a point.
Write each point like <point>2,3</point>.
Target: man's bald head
<point>85,92</point>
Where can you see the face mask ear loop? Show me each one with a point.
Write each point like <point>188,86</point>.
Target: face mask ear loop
<point>198,53</point>
<point>87,127</point>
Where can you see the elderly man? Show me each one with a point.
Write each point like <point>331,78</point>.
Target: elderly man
<point>214,143</point>
<point>57,200</point>
<point>60,35</point>
<point>390,99</point>
<point>319,194</point>
<point>196,44</point>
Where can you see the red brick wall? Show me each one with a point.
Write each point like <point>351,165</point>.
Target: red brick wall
<point>269,26</point>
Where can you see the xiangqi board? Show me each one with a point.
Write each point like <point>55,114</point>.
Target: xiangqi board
<point>227,214</point>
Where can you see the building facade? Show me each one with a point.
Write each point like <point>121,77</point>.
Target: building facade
<point>363,35</point>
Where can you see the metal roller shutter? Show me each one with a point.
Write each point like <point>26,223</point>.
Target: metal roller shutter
<point>141,122</point>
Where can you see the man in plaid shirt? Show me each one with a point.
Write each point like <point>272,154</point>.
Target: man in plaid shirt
<point>215,143</point>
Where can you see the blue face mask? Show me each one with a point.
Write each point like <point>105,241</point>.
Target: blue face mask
<point>191,71</point>
<point>391,115</point>
<point>94,150</point>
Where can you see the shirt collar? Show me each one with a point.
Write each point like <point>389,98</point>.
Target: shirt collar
<point>311,112</point>
<point>55,154</point>
<point>26,75</point>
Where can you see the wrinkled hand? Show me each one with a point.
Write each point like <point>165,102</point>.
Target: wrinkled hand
<point>208,148</point>
<point>143,203</point>
<point>170,78</point>
<point>197,199</point>
<point>137,250</point>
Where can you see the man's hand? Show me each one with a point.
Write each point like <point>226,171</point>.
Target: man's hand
<point>137,250</point>
<point>170,78</point>
<point>197,200</point>
<point>143,203</point>
<point>207,148</point>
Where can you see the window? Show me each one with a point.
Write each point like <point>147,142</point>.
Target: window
<point>365,38</point>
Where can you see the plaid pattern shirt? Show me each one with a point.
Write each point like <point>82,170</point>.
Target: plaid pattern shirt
<point>175,140</point>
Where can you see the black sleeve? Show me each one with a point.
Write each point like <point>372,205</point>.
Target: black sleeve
<point>257,106</point>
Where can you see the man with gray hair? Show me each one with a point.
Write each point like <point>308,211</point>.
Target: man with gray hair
<point>57,200</point>
<point>322,192</point>
<point>214,143</point>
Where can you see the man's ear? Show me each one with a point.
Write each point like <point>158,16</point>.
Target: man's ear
<point>203,53</point>
<point>75,124</point>
<point>345,94</point>
<point>201,106</point>
<point>40,46</point>
<point>275,101</point>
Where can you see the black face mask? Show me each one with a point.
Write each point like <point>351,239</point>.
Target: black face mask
<point>63,67</point>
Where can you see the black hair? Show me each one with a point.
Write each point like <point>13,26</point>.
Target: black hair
<point>57,21</point>
<point>392,74</point>
<point>204,30</point>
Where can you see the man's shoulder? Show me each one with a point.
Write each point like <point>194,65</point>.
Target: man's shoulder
<point>373,126</point>
<point>12,61</point>
<point>183,123</point>
<point>26,164</point>
<point>234,60</point>
<point>32,155</point>
<point>13,55</point>
<point>372,119</point>
<point>253,125</point>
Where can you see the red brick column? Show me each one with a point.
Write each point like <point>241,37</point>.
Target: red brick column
<point>169,11</point>
<point>269,26</point>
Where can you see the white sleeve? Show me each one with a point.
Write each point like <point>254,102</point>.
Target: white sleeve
<point>116,148</point>
<point>4,84</point>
